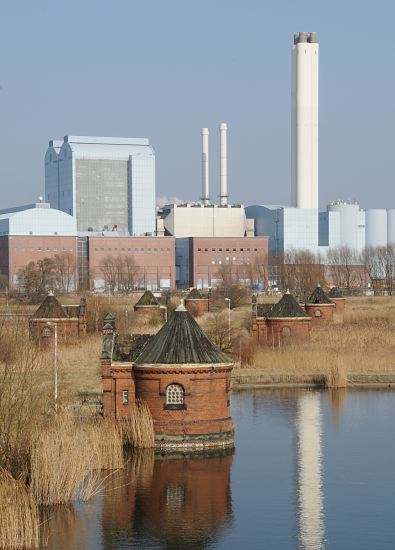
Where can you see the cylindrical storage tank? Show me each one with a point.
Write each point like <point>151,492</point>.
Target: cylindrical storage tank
<point>376,227</point>
<point>391,226</point>
<point>348,223</point>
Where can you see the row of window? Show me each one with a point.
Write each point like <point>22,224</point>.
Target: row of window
<point>233,249</point>
<point>39,249</point>
<point>227,260</point>
<point>132,249</point>
<point>174,395</point>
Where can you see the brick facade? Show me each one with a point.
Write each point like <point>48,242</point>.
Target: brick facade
<point>320,312</point>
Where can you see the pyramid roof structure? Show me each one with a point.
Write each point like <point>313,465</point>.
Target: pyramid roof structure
<point>181,341</point>
<point>147,299</point>
<point>318,296</point>
<point>286,307</point>
<point>50,308</point>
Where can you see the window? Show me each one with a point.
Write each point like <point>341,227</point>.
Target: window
<point>174,397</point>
<point>286,331</point>
<point>318,313</point>
<point>125,397</point>
<point>46,333</point>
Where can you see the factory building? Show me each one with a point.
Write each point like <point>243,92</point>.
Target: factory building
<point>105,183</point>
<point>141,262</point>
<point>34,232</point>
<point>200,261</point>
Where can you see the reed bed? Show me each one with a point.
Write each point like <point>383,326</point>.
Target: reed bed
<point>68,457</point>
<point>138,428</point>
<point>363,343</point>
<point>19,520</point>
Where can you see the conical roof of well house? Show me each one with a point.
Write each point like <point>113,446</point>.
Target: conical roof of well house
<point>286,307</point>
<point>335,292</point>
<point>181,341</point>
<point>147,299</point>
<point>50,308</point>
<point>194,295</point>
<point>318,296</point>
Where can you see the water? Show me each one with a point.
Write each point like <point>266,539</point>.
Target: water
<point>311,470</point>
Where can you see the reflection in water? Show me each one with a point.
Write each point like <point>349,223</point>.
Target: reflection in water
<point>311,528</point>
<point>176,501</point>
<point>337,399</point>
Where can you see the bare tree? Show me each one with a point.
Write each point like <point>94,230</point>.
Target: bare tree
<point>65,271</point>
<point>343,265</point>
<point>302,271</point>
<point>35,279</point>
<point>120,273</point>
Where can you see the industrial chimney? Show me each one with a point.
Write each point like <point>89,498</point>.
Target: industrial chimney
<point>223,193</point>
<point>205,173</point>
<point>305,120</point>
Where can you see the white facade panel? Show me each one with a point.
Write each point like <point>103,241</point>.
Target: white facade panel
<point>391,226</point>
<point>38,221</point>
<point>376,227</point>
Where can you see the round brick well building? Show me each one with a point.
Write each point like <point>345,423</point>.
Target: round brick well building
<point>185,381</point>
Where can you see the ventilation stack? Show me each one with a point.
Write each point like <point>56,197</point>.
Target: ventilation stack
<point>205,172</point>
<point>223,194</point>
<point>305,57</point>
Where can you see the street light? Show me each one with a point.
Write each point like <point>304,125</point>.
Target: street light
<point>228,300</point>
<point>55,363</point>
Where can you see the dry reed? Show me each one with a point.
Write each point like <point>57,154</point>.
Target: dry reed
<point>138,428</point>
<point>19,521</point>
<point>68,457</point>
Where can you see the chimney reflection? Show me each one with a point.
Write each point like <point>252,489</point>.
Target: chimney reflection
<point>310,500</point>
<point>179,501</point>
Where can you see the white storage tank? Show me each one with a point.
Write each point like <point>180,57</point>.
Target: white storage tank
<point>391,226</point>
<point>376,227</point>
<point>349,221</point>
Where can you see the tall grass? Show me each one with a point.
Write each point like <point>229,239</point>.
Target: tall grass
<point>138,428</point>
<point>19,521</point>
<point>68,456</point>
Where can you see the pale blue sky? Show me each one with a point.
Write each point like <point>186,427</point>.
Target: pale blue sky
<point>164,69</point>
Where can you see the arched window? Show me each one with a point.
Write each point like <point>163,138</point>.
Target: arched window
<point>46,333</point>
<point>286,331</point>
<point>174,394</point>
<point>318,313</point>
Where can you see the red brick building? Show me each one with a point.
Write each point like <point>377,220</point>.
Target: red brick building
<point>179,373</point>
<point>148,262</point>
<point>70,320</point>
<point>275,325</point>
<point>318,306</point>
<point>16,251</point>
<point>199,260</point>
<point>196,303</point>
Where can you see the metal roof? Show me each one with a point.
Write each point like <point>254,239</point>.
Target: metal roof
<point>286,307</point>
<point>50,308</point>
<point>318,296</point>
<point>147,299</point>
<point>181,341</point>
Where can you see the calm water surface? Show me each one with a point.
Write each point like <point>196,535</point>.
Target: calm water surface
<point>311,470</point>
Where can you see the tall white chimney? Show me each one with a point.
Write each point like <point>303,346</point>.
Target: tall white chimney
<point>223,193</point>
<point>305,57</point>
<point>205,173</point>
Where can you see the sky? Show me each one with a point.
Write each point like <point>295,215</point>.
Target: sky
<point>163,69</point>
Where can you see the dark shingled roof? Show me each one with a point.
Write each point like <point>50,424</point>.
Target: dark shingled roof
<point>147,299</point>
<point>335,292</point>
<point>263,309</point>
<point>50,309</point>
<point>181,341</point>
<point>194,295</point>
<point>128,347</point>
<point>286,307</point>
<point>318,296</point>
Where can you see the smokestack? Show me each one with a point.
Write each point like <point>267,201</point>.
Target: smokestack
<point>305,56</point>
<point>205,174</point>
<point>223,194</point>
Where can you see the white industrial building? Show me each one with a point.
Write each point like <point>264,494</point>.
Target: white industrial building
<point>106,183</point>
<point>205,219</point>
<point>37,219</point>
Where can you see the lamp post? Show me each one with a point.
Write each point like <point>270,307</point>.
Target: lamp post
<point>55,364</point>
<point>228,300</point>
